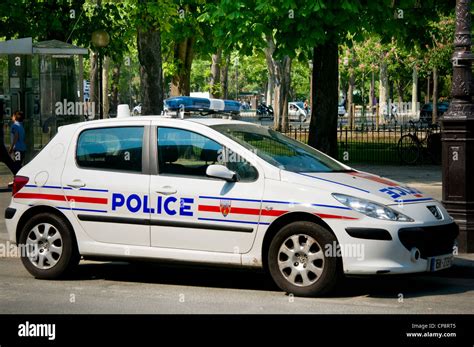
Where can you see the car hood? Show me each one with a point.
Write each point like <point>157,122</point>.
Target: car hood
<point>359,184</point>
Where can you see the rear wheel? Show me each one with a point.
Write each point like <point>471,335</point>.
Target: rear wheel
<point>51,251</point>
<point>409,149</point>
<point>298,262</point>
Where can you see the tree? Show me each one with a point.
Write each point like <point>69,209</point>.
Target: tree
<point>262,24</point>
<point>439,52</point>
<point>331,21</point>
<point>150,26</point>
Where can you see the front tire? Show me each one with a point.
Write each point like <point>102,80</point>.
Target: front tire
<point>51,250</point>
<point>298,261</point>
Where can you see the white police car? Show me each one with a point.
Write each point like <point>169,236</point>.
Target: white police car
<point>223,192</point>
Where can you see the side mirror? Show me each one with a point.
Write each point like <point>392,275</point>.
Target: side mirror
<point>220,171</point>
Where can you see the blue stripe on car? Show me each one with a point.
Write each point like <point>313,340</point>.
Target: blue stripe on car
<point>338,183</point>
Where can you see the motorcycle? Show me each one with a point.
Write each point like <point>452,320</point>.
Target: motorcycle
<point>264,111</point>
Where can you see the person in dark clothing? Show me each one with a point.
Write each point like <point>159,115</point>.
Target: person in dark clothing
<point>4,155</point>
<point>18,146</point>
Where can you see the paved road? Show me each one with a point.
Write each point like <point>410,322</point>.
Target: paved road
<point>154,288</point>
<point>115,287</point>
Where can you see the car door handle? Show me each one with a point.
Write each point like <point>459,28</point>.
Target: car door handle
<point>76,184</point>
<point>166,190</point>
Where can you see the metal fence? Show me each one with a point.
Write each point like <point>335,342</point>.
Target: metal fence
<point>376,145</point>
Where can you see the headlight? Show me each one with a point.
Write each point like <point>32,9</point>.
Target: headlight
<point>371,209</point>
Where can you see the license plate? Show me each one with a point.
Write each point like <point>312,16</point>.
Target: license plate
<point>440,262</point>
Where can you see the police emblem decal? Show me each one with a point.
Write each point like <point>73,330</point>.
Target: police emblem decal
<point>225,207</point>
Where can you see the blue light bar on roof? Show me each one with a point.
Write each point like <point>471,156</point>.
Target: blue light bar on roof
<point>195,104</point>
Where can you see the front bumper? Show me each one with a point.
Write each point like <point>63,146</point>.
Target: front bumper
<point>366,254</point>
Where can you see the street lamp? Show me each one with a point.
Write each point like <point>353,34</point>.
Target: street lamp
<point>458,133</point>
<point>100,39</point>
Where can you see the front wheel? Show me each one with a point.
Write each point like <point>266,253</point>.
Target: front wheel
<point>409,149</point>
<point>51,251</point>
<point>298,260</point>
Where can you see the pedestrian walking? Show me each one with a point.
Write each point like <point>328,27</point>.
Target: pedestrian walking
<point>18,146</point>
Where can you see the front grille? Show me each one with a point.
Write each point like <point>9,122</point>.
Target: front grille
<point>431,241</point>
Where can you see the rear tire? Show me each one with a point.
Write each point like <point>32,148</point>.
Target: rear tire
<point>51,247</point>
<point>297,259</point>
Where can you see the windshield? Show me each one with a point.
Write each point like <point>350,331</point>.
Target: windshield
<point>299,104</point>
<point>279,150</point>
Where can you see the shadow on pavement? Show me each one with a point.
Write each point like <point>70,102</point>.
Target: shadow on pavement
<point>458,279</point>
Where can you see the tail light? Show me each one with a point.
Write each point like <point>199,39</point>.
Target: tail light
<point>18,183</point>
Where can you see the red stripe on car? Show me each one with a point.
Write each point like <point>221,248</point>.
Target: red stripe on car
<point>333,216</point>
<point>273,213</point>
<point>242,210</point>
<point>55,197</point>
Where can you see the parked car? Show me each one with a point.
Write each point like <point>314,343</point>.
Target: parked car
<point>296,112</point>
<point>218,191</point>
<point>426,112</point>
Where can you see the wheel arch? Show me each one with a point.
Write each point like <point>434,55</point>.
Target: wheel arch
<point>34,210</point>
<point>284,220</point>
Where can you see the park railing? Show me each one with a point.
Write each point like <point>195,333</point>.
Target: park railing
<point>371,143</point>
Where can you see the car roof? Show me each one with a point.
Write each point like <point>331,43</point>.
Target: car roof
<point>130,120</point>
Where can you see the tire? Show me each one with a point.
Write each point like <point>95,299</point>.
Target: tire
<point>59,255</point>
<point>409,149</point>
<point>290,269</point>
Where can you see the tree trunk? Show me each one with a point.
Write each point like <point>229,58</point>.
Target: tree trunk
<point>115,86</point>
<point>93,88</point>
<point>399,95</point>
<point>151,71</point>
<point>283,84</point>
<point>435,95</point>
<point>428,94</point>
<point>183,56</point>
<point>105,87</point>
<point>270,87</point>
<point>225,79</point>
<point>414,91</point>
<point>350,100</point>
<point>271,69</point>
<point>215,87</point>
<point>383,89</point>
<point>323,124</point>
<point>372,92</point>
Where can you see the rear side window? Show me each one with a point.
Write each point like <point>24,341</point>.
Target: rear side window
<point>115,148</point>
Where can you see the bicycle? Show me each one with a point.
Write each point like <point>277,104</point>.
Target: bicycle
<point>411,147</point>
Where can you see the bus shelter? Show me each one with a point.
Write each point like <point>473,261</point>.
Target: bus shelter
<point>45,81</point>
